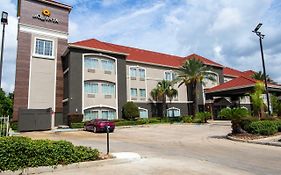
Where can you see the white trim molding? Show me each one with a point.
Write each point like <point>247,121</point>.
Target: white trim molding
<point>42,31</point>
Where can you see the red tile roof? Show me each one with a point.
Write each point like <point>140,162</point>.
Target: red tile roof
<point>249,73</point>
<point>231,72</point>
<point>241,81</point>
<point>204,60</point>
<point>145,56</point>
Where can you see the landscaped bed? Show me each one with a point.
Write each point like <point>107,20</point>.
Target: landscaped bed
<point>22,152</point>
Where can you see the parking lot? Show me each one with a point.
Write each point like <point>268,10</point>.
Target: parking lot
<point>176,149</point>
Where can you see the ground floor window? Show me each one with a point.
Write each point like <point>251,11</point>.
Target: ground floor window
<point>173,112</point>
<point>90,115</point>
<point>143,113</point>
<point>110,115</point>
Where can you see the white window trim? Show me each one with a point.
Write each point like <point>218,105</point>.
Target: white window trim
<point>44,56</point>
<point>94,58</point>
<point>116,83</point>
<point>94,82</point>
<point>133,67</point>
<point>168,71</point>
<point>131,93</point>
<point>144,110</point>
<point>174,108</point>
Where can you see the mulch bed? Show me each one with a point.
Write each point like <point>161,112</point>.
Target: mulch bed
<point>247,136</point>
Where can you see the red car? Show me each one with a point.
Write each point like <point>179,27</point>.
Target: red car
<point>99,125</point>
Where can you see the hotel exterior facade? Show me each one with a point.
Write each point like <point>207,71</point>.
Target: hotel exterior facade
<point>95,78</point>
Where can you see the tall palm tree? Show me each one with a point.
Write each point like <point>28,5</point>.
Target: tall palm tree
<point>192,73</point>
<point>259,76</point>
<point>163,90</point>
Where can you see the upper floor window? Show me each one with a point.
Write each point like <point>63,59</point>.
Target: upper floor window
<point>44,47</point>
<point>134,92</point>
<point>108,89</point>
<point>142,73</point>
<point>142,92</point>
<point>133,72</point>
<point>107,65</point>
<point>211,80</point>
<point>91,87</point>
<point>169,75</point>
<point>91,63</point>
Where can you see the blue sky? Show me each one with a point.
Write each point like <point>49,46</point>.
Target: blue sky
<point>217,29</point>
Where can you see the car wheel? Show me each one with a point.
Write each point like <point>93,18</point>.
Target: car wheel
<point>94,129</point>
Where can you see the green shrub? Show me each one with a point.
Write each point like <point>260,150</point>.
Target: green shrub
<point>130,111</point>
<point>154,120</point>
<point>74,118</point>
<point>14,126</point>
<point>125,123</point>
<point>245,122</point>
<point>202,117</point>
<point>225,113</point>
<point>21,152</point>
<point>77,125</point>
<point>278,124</point>
<point>187,119</point>
<point>263,127</point>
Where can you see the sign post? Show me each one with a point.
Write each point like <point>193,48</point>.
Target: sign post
<point>107,139</point>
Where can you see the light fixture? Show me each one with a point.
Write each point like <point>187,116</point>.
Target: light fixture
<point>4,18</point>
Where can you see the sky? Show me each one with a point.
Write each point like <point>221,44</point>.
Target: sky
<point>220,30</point>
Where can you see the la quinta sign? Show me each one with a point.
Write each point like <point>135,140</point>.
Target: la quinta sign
<point>46,16</point>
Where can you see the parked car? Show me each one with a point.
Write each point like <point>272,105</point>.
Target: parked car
<point>99,125</point>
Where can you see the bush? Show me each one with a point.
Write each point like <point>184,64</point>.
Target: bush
<point>14,126</point>
<point>202,117</point>
<point>278,124</point>
<point>77,125</point>
<point>74,118</point>
<point>21,152</point>
<point>245,122</point>
<point>225,113</point>
<point>263,127</point>
<point>130,111</point>
<point>125,123</point>
<point>187,119</point>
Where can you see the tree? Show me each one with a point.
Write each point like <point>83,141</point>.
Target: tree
<point>6,104</point>
<point>256,98</point>
<point>192,73</point>
<point>130,111</point>
<point>276,105</point>
<point>236,115</point>
<point>260,76</point>
<point>163,90</point>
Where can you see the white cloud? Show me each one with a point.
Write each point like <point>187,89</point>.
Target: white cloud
<point>217,29</point>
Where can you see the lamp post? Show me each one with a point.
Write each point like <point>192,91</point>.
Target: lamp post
<point>261,36</point>
<point>4,22</point>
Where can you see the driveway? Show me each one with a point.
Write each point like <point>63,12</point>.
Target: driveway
<point>176,149</point>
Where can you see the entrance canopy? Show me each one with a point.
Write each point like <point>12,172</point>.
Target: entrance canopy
<point>238,87</point>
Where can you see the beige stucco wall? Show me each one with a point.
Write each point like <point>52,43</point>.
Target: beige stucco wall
<point>154,74</point>
<point>99,76</point>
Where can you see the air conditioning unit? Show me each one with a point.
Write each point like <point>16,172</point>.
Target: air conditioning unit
<point>107,72</point>
<point>107,96</point>
<point>91,95</point>
<point>91,70</point>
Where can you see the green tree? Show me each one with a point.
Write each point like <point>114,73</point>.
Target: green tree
<point>236,115</point>
<point>260,76</point>
<point>192,73</point>
<point>6,104</point>
<point>163,90</point>
<point>257,101</point>
<point>276,105</point>
<point>130,111</point>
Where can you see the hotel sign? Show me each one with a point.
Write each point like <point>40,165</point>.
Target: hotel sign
<point>46,16</point>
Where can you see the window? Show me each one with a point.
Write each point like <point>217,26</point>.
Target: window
<point>170,76</point>
<point>91,63</point>
<point>110,115</point>
<point>142,92</point>
<point>90,114</point>
<point>143,113</point>
<point>108,89</point>
<point>44,47</point>
<point>173,112</point>
<point>134,92</point>
<point>133,72</point>
<point>107,65</point>
<point>142,73</point>
<point>90,87</point>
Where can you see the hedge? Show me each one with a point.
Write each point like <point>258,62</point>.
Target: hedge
<point>77,125</point>
<point>21,152</point>
<point>264,127</point>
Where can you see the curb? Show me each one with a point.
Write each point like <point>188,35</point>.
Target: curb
<point>253,141</point>
<point>45,169</point>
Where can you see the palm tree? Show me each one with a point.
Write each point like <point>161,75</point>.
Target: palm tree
<point>260,76</point>
<point>192,73</point>
<point>163,90</point>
